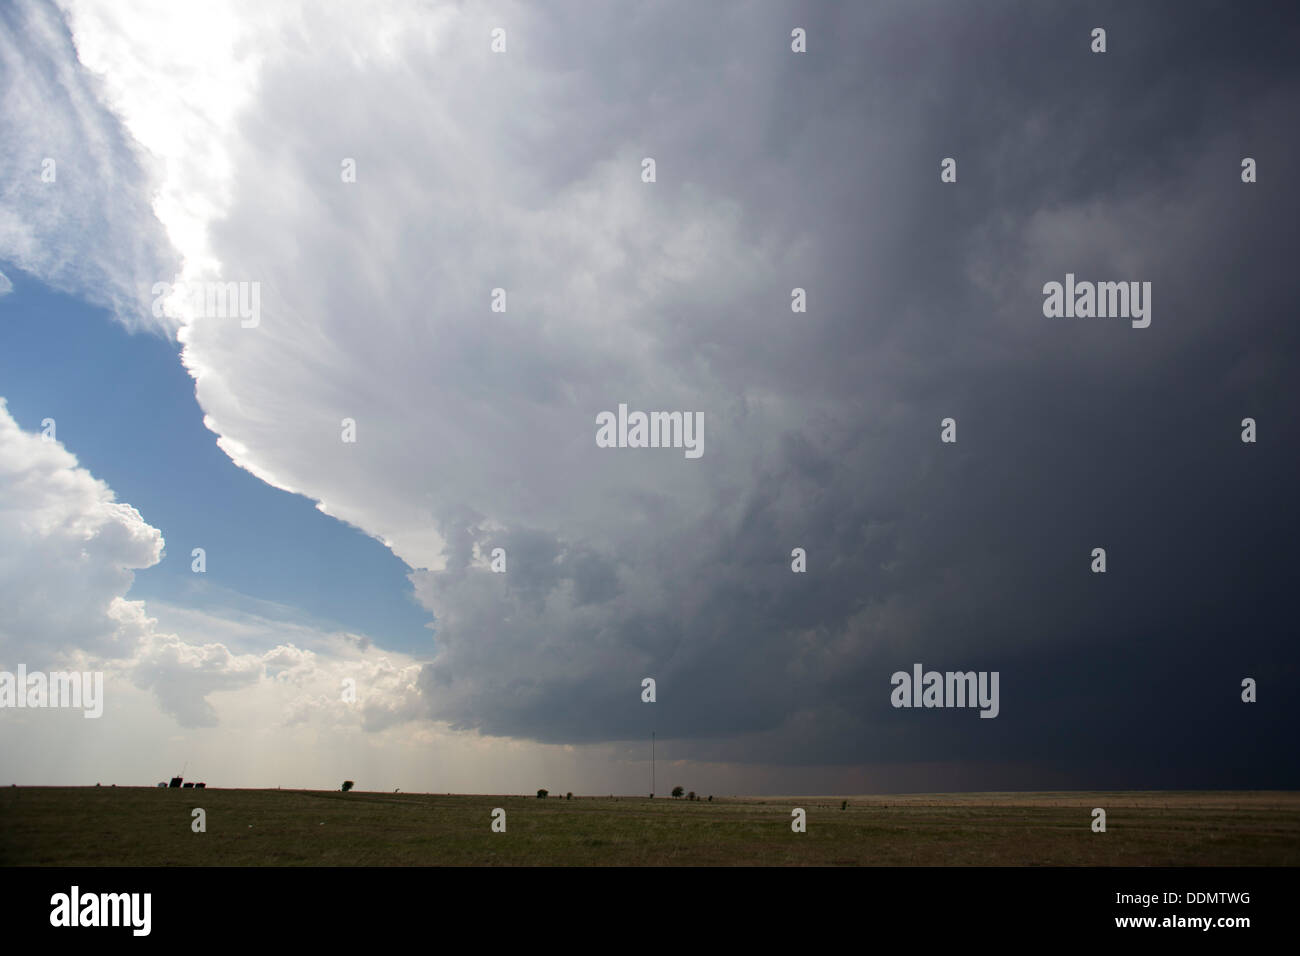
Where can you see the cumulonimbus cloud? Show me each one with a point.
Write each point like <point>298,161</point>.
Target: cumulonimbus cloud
<point>475,428</point>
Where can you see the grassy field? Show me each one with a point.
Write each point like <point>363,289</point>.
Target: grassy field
<point>128,826</point>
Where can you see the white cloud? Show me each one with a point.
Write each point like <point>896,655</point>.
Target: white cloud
<point>68,550</point>
<point>377,310</point>
<point>75,200</point>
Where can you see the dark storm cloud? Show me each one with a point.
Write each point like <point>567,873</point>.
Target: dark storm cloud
<point>925,301</point>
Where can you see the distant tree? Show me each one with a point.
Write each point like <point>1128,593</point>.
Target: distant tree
<point>844,805</point>
<point>569,795</point>
<point>348,785</point>
<point>542,794</point>
<point>678,791</point>
<point>710,798</point>
<point>691,795</point>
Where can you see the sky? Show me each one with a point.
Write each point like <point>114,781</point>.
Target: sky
<point>459,262</point>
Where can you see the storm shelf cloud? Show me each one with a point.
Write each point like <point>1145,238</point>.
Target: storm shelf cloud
<point>456,250</point>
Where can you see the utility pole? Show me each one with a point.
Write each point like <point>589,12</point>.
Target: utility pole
<point>652,763</point>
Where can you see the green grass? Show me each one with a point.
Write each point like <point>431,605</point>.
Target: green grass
<point>128,826</point>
